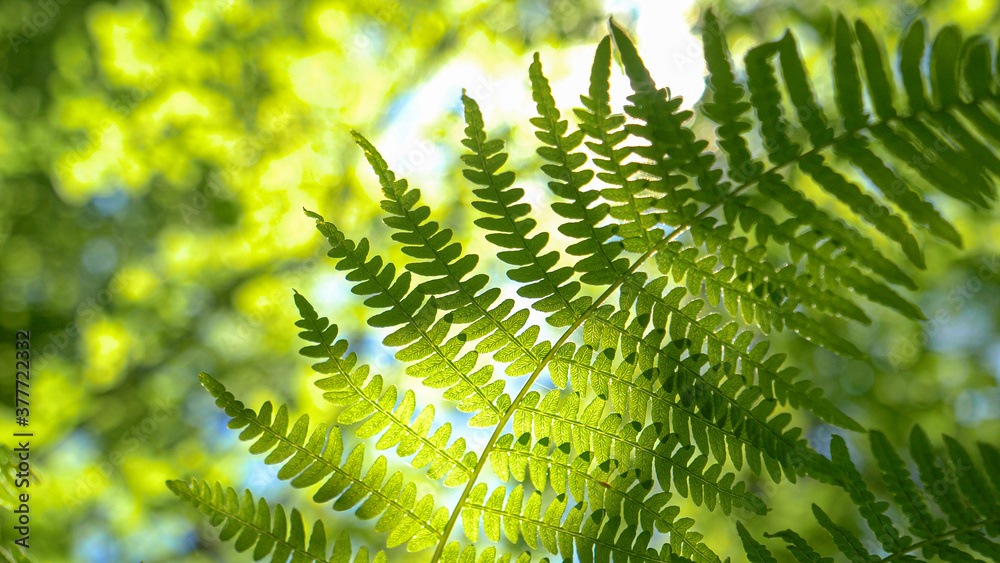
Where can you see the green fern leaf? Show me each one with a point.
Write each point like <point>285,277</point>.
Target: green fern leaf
<point>252,525</point>
<point>550,287</point>
<point>968,501</point>
<point>756,551</point>
<point>372,407</point>
<point>599,259</point>
<point>897,480</point>
<point>307,458</point>
<point>846,542</point>
<point>798,547</point>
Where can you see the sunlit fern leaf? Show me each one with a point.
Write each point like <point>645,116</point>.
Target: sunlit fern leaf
<point>598,256</point>
<point>510,225</point>
<point>637,225</point>
<point>960,490</point>
<point>372,405</point>
<point>728,105</point>
<point>253,525</point>
<point>497,330</point>
<point>610,442</point>
<point>574,534</point>
<point>308,458</point>
<point>751,288</point>
<point>604,485</point>
<point>433,359</point>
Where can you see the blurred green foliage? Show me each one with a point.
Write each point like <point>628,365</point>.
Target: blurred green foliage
<point>155,157</point>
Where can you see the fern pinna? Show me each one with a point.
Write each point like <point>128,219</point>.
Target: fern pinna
<point>674,270</point>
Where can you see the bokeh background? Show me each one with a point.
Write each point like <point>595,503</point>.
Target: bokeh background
<point>155,157</point>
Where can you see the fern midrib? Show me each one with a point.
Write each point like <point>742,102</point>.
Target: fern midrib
<point>387,413</point>
<point>323,461</point>
<point>423,334</point>
<point>560,530</point>
<point>642,505</point>
<point>253,526</point>
<point>944,535</point>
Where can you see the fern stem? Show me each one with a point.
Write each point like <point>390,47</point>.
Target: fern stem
<point>970,528</point>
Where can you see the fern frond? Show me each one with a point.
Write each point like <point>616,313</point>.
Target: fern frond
<point>371,405</point>
<point>662,388</point>
<point>897,480</point>
<point>603,485</point>
<point>766,100</point>
<point>437,361</point>
<point>751,287</point>
<point>873,512</point>
<point>959,489</point>
<point>820,134</point>
<point>442,262</point>
<point>673,150</point>
<point>584,535</point>
<point>727,107</point>
<point>607,131</point>
<point>318,455</point>
<point>496,329</point>
<point>253,525</point>
<point>508,220</point>
<point>598,255</point>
